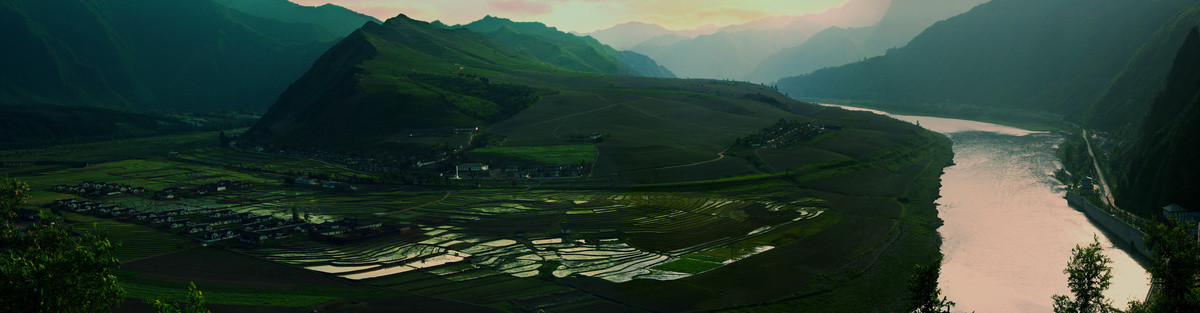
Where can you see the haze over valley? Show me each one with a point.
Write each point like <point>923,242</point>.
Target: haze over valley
<point>599,156</point>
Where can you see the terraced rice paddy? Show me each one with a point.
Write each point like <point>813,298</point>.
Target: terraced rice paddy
<point>615,237</point>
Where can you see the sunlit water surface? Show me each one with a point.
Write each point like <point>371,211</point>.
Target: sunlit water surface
<point>1008,232</point>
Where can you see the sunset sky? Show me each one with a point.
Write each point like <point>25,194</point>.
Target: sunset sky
<point>588,15</point>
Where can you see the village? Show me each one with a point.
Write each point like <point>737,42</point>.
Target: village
<point>212,225</point>
<point>518,172</point>
<point>784,134</point>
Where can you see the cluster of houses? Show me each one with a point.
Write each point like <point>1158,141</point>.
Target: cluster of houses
<point>371,163</point>
<point>1086,184</point>
<point>479,170</point>
<point>204,190</point>
<point>208,225</point>
<point>327,184</point>
<point>99,189</point>
<point>784,134</point>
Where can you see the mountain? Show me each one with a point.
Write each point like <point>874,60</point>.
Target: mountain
<point>402,72</point>
<point>644,65</point>
<point>835,46</point>
<point>185,55</point>
<point>566,50</point>
<point>385,85</point>
<point>337,19</point>
<point>1122,106</point>
<point>734,51</point>
<point>1047,56</point>
<point>726,55</point>
<point>855,13</point>
<point>1160,166</point>
<point>627,35</point>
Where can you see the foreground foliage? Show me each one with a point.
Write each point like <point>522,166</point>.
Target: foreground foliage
<point>926,297</point>
<point>1175,270</point>
<point>193,304</point>
<point>1088,275</point>
<point>46,268</point>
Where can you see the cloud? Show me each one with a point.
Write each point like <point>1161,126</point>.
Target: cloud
<point>520,7</point>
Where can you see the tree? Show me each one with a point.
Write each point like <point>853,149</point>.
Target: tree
<point>1088,275</point>
<point>1176,266</point>
<point>47,268</point>
<point>193,304</point>
<point>925,296</point>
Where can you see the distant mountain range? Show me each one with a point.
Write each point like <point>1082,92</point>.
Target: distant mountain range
<point>566,50</point>
<point>149,55</point>
<point>626,36</point>
<point>835,46</point>
<point>1046,55</point>
<point>734,51</point>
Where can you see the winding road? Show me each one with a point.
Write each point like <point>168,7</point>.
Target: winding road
<point>1106,193</point>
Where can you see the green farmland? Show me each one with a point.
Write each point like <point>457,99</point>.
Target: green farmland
<point>556,155</point>
<point>803,227</point>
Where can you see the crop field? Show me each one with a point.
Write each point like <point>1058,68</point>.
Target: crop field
<point>556,155</point>
<point>135,241</point>
<point>670,220</point>
<point>616,237</point>
<point>220,156</point>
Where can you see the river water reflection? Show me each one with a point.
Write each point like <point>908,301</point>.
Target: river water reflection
<point>1008,232</point>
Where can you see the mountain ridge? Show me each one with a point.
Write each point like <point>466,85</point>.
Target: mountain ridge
<point>1004,54</point>
<point>199,55</point>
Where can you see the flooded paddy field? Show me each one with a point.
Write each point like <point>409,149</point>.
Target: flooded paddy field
<point>617,237</point>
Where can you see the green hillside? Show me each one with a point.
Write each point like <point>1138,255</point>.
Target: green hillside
<point>186,55</point>
<point>384,83</point>
<point>337,19</point>
<point>1046,56</point>
<point>566,50</point>
<point>1160,166</point>
<point>1120,108</point>
<point>402,74</point>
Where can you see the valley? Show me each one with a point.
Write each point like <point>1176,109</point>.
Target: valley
<point>516,156</point>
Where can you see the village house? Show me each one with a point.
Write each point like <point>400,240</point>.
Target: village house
<point>472,167</point>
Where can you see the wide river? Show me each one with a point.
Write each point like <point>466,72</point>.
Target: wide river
<point>1008,231</point>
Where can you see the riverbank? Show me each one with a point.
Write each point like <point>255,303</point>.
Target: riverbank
<point>1008,231</point>
<point>1122,231</point>
<point>1011,118</point>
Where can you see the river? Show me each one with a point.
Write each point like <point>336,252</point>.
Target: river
<point>1008,231</point>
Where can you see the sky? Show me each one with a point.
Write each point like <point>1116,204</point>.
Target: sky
<point>588,15</point>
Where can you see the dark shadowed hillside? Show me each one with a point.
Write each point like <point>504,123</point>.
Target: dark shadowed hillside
<point>1042,55</point>
<point>339,20</point>
<point>1160,167</point>
<point>1122,106</point>
<point>185,55</point>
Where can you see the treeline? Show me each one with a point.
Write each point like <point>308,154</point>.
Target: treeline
<point>40,125</point>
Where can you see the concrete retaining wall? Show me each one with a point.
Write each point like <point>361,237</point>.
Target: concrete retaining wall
<point>1124,232</point>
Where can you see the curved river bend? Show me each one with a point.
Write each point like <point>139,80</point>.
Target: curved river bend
<point>1008,232</point>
